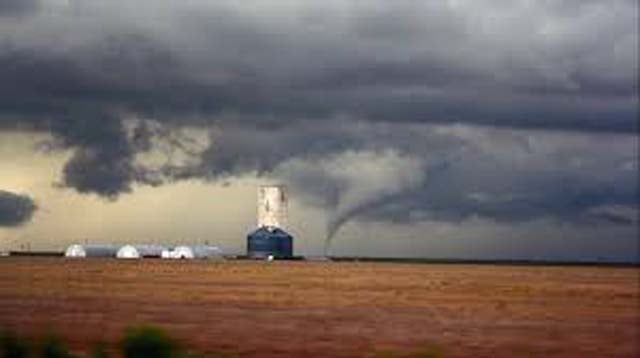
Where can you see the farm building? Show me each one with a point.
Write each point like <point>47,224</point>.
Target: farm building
<point>140,251</point>
<point>272,206</point>
<point>77,250</point>
<point>270,239</point>
<point>266,242</point>
<point>193,252</point>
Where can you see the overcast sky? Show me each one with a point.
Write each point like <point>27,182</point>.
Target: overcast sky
<point>465,129</point>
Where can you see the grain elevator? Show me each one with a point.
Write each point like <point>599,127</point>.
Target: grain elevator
<point>270,238</point>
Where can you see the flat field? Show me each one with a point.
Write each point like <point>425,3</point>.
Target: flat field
<point>328,309</point>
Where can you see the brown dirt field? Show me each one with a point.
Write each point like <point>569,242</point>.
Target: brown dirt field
<point>324,309</point>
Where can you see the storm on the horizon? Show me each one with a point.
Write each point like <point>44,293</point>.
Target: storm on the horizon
<point>458,129</point>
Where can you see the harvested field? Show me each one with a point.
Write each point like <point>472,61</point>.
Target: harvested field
<point>324,309</point>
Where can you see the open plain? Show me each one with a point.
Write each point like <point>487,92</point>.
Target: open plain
<point>329,309</point>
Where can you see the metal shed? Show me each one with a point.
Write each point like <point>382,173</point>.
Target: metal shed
<point>183,252</point>
<point>206,252</point>
<point>77,250</point>
<point>139,251</point>
<point>265,242</point>
<point>193,252</point>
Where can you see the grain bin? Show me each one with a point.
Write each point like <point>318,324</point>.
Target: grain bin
<point>265,242</point>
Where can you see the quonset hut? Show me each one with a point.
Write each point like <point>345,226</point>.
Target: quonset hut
<point>77,250</point>
<point>193,252</point>
<point>139,251</point>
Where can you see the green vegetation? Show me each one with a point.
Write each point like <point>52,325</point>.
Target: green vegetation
<point>100,351</point>
<point>148,342</point>
<point>53,347</point>
<point>11,346</point>
<point>138,342</point>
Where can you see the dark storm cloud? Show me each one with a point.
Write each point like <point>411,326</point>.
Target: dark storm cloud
<point>81,106</point>
<point>280,84</point>
<point>537,67</point>
<point>102,161</point>
<point>105,150</point>
<point>127,71</point>
<point>461,190</point>
<point>410,173</point>
<point>549,181</point>
<point>15,209</point>
<point>17,7</point>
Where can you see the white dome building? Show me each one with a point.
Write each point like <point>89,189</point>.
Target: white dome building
<point>77,250</point>
<point>183,252</point>
<point>193,252</point>
<point>166,254</point>
<point>128,252</point>
<point>140,251</point>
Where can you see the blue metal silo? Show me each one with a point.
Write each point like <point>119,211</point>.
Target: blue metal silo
<point>265,242</point>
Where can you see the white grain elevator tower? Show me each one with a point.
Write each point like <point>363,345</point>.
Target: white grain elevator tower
<point>270,240</point>
<point>272,207</point>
